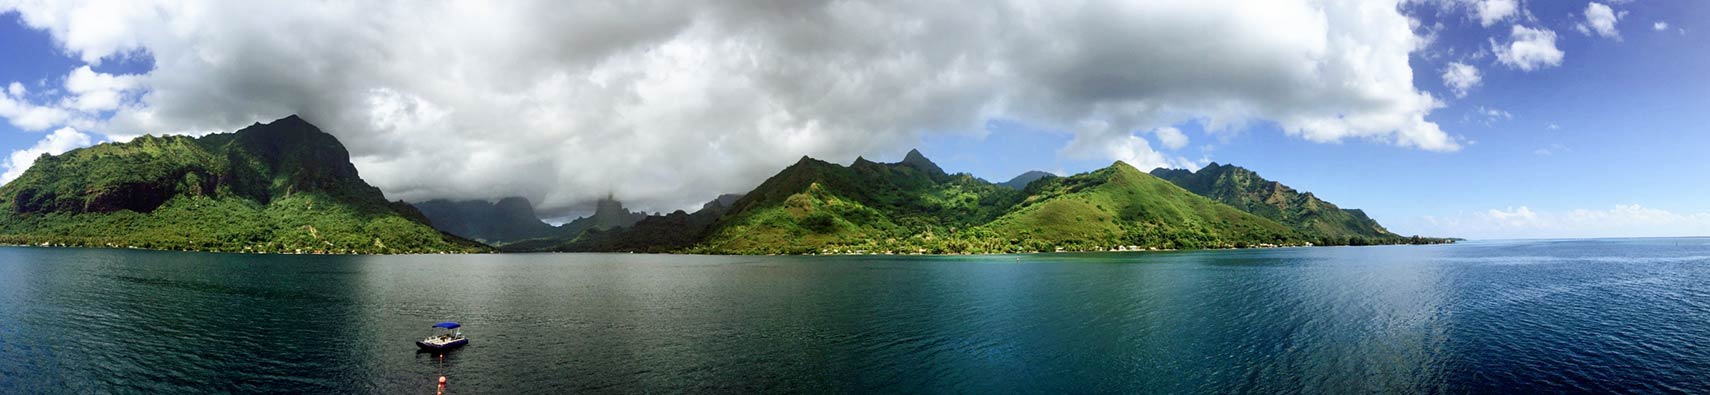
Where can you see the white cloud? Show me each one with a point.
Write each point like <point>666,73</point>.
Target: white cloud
<point>64,139</point>
<point>1601,19</point>
<point>1629,220</point>
<point>1131,149</point>
<point>667,103</point>
<point>1552,126</point>
<point>90,91</point>
<point>1512,216</point>
<point>1460,78</point>
<point>1659,26</point>
<point>1490,115</point>
<point>1171,137</point>
<point>86,94</point>
<point>1489,12</point>
<point>27,116</point>
<point>1529,49</point>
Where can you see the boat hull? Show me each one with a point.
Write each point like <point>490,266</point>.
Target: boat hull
<point>442,347</point>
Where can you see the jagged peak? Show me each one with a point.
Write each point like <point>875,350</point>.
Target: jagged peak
<point>918,161</point>
<point>861,161</point>
<point>1170,170</point>
<point>289,120</point>
<point>808,162</point>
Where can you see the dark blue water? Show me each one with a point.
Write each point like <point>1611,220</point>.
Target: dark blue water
<point>1491,317</point>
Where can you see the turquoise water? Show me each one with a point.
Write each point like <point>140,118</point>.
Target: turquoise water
<point>1481,317</point>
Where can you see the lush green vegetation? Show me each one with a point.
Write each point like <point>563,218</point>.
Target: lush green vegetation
<point>279,187</point>
<point>1319,221</point>
<point>914,207</point>
<point>814,206</point>
<point>288,187</point>
<point>1120,207</point>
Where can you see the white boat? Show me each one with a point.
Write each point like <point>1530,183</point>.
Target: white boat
<point>449,337</point>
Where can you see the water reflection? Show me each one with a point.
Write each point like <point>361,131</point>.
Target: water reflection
<point>1587,316</point>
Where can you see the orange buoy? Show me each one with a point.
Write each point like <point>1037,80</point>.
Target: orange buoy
<point>441,385</point>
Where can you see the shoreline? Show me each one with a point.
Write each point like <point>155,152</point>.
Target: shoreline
<point>496,251</point>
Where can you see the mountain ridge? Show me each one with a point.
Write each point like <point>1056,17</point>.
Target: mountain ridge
<point>287,186</point>
<point>1245,189</point>
<point>283,186</point>
<point>1020,181</point>
<point>912,206</point>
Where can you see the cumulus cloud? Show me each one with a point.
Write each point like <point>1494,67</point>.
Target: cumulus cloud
<point>1628,220</point>
<point>61,140</point>
<point>17,109</point>
<point>1489,12</point>
<point>1528,49</point>
<point>87,93</point>
<point>1659,26</point>
<point>90,91</point>
<point>666,103</point>
<point>1460,78</point>
<point>1171,137</point>
<point>1600,18</point>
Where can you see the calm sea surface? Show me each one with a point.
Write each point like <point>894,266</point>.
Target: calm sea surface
<point>1481,317</point>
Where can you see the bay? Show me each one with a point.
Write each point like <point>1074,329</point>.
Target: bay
<point>1618,315</point>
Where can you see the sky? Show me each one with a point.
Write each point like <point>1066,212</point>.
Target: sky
<point>1466,118</point>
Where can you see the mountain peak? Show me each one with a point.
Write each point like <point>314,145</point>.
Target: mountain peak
<point>292,120</point>
<point>259,179</point>
<point>1021,181</point>
<point>1305,212</point>
<point>916,160</point>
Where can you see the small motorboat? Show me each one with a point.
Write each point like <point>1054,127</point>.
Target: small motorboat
<point>446,338</point>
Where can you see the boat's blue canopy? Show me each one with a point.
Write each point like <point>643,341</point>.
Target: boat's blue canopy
<point>447,325</point>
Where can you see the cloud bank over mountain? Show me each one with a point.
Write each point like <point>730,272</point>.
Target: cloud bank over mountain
<point>667,103</point>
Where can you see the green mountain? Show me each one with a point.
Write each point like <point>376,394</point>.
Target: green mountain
<point>608,214</point>
<point>495,223</point>
<point>513,220</point>
<point>1122,206</point>
<point>1021,181</point>
<point>914,206</point>
<point>814,205</point>
<point>672,232</point>
<point>1315,218</point>
<point>278,187</point>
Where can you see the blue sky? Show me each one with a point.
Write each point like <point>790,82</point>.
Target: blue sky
<point>1607,140</point>
<point>1630,123</point>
